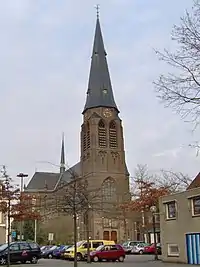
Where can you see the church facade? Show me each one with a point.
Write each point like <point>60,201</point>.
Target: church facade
<point>102,160</point>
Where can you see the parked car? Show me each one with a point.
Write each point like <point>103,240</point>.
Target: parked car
<point>63,251</point>
<point>139,248</point>
<point>20,251</point>
<point>128,246</point>
<point>57,253</point>
<point>43,248</point>
<point>151,249</point>
<point>108,253</point>
<point>82,248</point>
<point>48,253</point>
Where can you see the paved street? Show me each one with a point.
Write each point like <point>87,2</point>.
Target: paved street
<point>132,260</point>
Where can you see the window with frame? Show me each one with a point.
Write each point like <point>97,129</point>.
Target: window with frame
<point>112,135</point>
<point>106,222</point>
<point>24,246</point>
<point>109,190</point>
<point>195,206</point>
<point>85,245</point>
<point>114,223</point>
<point>173,250</point>
<point>102,134</point>
<point>14,247</point>
<point>113,247</point>
<point>171,210</point>
<point>34,245</point>
<point>156,216</point>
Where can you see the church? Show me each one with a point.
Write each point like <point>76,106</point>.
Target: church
<point>102,154</point>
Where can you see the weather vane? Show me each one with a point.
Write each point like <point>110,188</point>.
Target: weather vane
<point>97,8</point>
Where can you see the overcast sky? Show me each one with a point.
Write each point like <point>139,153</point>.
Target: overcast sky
<point>45,54</point>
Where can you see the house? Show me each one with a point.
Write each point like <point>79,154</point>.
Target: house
<point>180,225</point>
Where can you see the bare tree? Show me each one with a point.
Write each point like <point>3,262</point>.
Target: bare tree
<point>180,89</point>
<point>73,197</point>
<point>174,181</point>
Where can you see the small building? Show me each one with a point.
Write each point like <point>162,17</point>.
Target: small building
<point>180,225</point>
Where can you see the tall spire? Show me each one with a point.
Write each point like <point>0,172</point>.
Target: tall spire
<point>99,92</point>
<point>62,159</point>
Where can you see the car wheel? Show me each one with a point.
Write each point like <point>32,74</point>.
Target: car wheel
<point>141,252</point>
<point>34,260</point>
<point>50,256</point>
<point>2,261</point>
<point>121,259</point>
<point>79,257</point>
<point>96,259</point>
<point>23,262</point>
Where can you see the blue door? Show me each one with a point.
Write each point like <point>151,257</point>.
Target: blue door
<point>193,248</point>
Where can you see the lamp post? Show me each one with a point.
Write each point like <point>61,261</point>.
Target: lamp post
<point>21,175</point>
<point>153,211</point>
<point>88,233</point>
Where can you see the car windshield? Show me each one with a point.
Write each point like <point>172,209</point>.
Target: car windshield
<point>4,246</point>
<point>125,244</point>
<point>80,243</point>
<point>99,248</point>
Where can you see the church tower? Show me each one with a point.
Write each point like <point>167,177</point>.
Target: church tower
<point>102,142</point>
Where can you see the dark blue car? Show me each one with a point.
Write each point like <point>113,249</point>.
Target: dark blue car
<point>48,252</point>
<point>58,251</point>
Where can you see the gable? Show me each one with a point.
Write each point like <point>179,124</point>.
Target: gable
<point>195,183</point>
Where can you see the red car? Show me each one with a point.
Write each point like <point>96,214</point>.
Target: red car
<point>151,249</point>
<point>108,252</point>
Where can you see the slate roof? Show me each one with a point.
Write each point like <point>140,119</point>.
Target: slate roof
<point>195,183</point>
<point>69,174</point>
<point>42,181</point>
<point>99,92</point>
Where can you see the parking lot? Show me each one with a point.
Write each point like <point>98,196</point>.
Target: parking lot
<point>130,261</point>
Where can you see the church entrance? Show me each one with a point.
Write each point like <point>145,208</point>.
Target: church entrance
<point>114,236</point>
<point>106,235</point>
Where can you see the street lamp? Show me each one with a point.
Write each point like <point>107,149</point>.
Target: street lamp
<point>153,210</point>
<point>21,175</point>
<point>88,232</point>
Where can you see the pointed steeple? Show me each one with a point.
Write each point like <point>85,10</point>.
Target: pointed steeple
<point>99,92</point>
<point>62,159</point>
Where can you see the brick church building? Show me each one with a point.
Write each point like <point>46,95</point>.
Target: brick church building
<point>102,158</point>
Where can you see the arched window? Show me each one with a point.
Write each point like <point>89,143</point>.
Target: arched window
<point>102,134</point>
<point>84,138</point>
<point>112,135</point>
<point>109,190</point>
<point>88,135</point>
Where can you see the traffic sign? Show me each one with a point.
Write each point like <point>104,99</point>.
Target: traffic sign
<point>50,237</point>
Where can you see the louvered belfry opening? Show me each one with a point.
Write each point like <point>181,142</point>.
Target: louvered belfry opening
<point>112,135</point>
<point>84,138</point>
<point>102,134</point>
<point>88,135</point>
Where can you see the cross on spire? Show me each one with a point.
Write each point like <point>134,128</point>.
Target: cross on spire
<point>97,8</point>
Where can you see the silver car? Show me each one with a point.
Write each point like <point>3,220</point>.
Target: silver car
<point>139,248</point>
<point>128,246</point>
